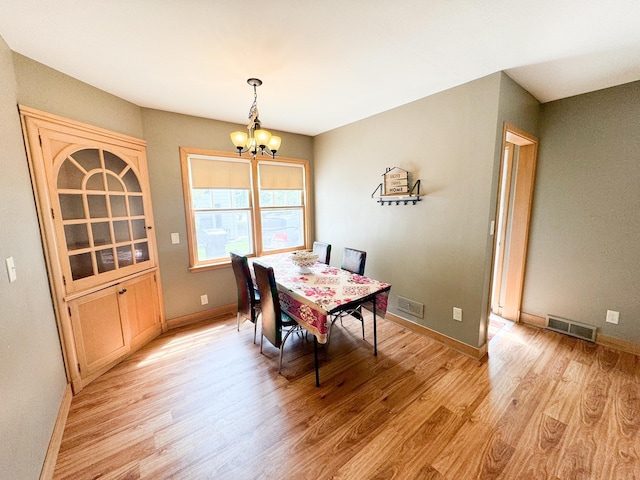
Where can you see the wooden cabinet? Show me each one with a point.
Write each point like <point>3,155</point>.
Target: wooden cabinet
<point>110,323</point>
<point>94,207</point>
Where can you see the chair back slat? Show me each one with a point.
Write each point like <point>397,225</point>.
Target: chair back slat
<point>354,260</point>
<point>270,303</point>
<point>323,250</point>
<point>244,285</point>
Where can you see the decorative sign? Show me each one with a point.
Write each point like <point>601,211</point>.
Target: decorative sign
<point>396,181</point>
<point>395,188</point>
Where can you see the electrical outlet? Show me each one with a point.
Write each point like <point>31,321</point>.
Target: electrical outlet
<point>204,299</point>
<point>457,314</point>
<point>613,316</point>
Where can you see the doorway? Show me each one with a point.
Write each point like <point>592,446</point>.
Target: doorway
<point>515,196</point>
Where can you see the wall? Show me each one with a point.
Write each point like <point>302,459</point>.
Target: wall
<point>520,109</point>
<point>165,132</point>
<point>434,252</point>
<point>48,90</point>
<point>584,249</point>
<point>32,376</point>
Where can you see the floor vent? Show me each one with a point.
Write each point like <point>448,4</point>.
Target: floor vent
<point>575,329</point>
<point>411,306</point>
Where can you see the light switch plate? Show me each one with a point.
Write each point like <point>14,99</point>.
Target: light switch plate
<point>457,314</point>
<point>175,238</point>
<point>11,269</point>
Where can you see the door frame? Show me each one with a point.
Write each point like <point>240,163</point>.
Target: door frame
<point>524,178</point>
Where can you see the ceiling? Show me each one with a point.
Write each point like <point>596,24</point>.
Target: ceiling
<point>324,63</point>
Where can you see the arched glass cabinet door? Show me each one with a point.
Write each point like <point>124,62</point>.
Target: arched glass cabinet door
<point>103,216</point>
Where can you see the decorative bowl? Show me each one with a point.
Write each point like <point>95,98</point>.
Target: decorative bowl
<point>304,260</point>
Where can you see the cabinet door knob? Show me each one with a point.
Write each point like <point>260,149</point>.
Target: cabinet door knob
<point>124,290</point>
<point>149,227</point>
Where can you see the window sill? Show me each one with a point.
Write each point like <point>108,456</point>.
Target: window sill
<point>210,266</point>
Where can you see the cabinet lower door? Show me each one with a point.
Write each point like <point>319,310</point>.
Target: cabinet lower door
<point>139,308</point>
<point>100,335</point>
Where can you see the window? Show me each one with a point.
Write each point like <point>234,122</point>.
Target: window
<point>238,204</point>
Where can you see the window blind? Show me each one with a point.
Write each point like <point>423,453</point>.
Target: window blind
<point>280,177</point>
<point>220,173</point>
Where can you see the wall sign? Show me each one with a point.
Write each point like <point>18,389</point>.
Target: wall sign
<point>395,187</point>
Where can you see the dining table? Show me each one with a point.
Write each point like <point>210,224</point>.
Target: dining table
<point>314,295</point>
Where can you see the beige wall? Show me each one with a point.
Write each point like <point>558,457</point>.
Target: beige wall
<point>433,252</point>
<point>438,252</point>
<point>520,109</point>
<point>584,250</point>
<point>165,133</point>
<point>32,376</point>
<point>48,90</point>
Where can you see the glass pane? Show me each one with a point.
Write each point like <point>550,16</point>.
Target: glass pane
<point>280,198</point>
<point>71,206</point>
<point>136,207</point>
<point>81,266</point>
<point>114,184</point>
<point>89,158</point>
<point>121,231</point>
<point>118,206</point>
<point>139,230</point>
<point>70,176</point>
<point>125,258</point>
<point>217,233</point>
<point>95,181</point>
<point>97,206</point>
<point>105,260</point>
<point>101,233</point>
<point>219,198</point>
<point>113,163</point>
<point>282,229</point>
<point>131,182</point>
<point>76,236</point>
<point>142,252</point>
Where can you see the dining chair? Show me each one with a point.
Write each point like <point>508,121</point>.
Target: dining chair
<point>323,250</point>
<point>353,261</point>
<point>248,297</point>
<point>273,320</point>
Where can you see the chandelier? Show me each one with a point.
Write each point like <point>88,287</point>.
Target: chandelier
<point>256,140</point>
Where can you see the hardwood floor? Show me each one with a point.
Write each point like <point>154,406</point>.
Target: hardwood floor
<point>202,403</point>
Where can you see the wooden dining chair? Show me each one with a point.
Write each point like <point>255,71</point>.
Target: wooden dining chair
<point>248,297</point>
<point>323,250</point>
<point>353,261</point>
<point>273,320</point>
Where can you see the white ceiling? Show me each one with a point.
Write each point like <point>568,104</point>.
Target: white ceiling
<point>324,63</point>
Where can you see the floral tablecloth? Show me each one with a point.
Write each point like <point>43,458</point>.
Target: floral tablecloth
<point>312,297</point>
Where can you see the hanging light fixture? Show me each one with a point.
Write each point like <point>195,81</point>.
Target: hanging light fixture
<point>256,140</point>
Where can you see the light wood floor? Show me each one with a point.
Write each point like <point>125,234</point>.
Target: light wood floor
<point>202,403</point>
